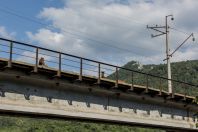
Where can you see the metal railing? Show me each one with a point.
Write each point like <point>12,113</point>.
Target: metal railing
<point>13,50</point>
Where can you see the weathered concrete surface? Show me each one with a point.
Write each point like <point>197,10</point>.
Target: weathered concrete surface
<point>38,94</point>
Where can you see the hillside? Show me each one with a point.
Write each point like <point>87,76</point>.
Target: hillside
<point>186,71</point>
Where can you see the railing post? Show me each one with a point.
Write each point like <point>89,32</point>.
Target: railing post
<point>185,94</point>
<point>59,65</point>
<point>10,58</point>
<point>147,83</point>
<point>36,64</point>
<point>160,86</point>
<point>132,80</point>
<point>81,67</point>
<point>116,84</point>
<point>98,73</point>
<point>173,85</point>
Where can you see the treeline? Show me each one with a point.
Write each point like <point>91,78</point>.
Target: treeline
<point>185,71</point>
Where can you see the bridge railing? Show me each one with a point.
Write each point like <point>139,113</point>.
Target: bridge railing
<point>59,61</point>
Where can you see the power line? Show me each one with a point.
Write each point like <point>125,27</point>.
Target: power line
<point>139,22</point>
<point>131,19</point>
<point>109,14</point>
<point>119,16</point>
<point>178,30</point>
<point>52,27</point>
<point>181,31</point>
<point>13,13</point>
<point>74,34</point>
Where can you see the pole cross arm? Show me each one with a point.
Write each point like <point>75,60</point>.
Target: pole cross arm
<point>156,26</point>
<point>157,35</point>
<point>158,30</point>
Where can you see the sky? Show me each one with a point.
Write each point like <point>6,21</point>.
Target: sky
<point>111,31</point>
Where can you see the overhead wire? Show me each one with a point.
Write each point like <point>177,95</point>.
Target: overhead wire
<point>74,34</point>
<point>182,31</point>
<point>187,36</point>
<point>119,16</point>
<point>109,14</point>
<point>178,30</point>
<point>116,16</point>
<point>71,33</point>
<point>131,19</point>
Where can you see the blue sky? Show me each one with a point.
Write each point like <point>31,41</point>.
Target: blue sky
<point>112,31</point>
<point>29,8</point>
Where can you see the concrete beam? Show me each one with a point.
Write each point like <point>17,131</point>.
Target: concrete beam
<point>37,94</point>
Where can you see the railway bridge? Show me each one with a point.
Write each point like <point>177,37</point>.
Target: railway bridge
<point>69,86</point>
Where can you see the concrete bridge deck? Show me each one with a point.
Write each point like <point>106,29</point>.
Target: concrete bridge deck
<point>105,82</point>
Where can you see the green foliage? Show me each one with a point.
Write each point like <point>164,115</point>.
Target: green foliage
<point>19,124</point>
<point>186,71</point>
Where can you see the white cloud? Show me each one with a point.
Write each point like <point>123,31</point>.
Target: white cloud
<point>59,42</point>
<point>5,34</point>
<point>46,36</point>
<point>85,27</point>
<point>186,54</point>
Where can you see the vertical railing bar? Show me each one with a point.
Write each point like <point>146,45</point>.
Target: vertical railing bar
<point>10,58</point>
<point>116,84</point>
<point>160,86</point>
<point>98,73</point>
<point>81,66</point>
<point>188,114</point>
<point>173,90</point>
<point>59,65</point>
<point>36,64</point>
<point>132,86</point>
<point>146,83</point>
<point>185,92</point>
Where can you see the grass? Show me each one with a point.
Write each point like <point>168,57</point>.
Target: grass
<point>24,124</point>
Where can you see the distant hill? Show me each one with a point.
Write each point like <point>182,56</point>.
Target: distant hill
<point>186,71</point>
